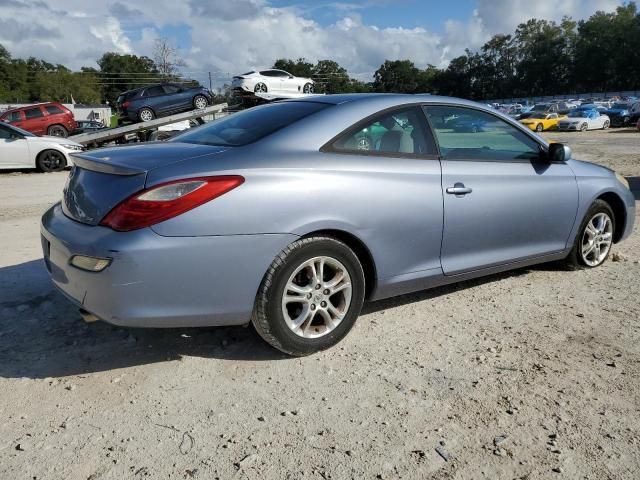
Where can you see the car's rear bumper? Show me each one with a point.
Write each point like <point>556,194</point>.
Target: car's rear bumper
<point>156,281</point>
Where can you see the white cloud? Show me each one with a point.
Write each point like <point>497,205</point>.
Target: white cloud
<point>235,36</point>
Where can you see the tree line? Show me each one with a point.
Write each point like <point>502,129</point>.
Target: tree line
<point>541,57</point>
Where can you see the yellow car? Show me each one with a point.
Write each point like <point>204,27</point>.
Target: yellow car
<point>539,122</point>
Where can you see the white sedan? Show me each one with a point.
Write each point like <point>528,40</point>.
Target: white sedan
<point>267,81</point>
<point>22,149</point>
<point>583,120</point>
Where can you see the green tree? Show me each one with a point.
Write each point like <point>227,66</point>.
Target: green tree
<point>299,68</point>
<point>398,76</point>
<point>119,73</point>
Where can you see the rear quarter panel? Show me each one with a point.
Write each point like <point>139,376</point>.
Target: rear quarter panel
<point>394,206</point>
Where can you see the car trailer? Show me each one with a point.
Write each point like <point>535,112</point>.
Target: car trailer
<point>100,137</point>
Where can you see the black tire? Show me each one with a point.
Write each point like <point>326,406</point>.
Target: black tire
<point>202,100</point>
<point>584,127</point>
<point>50,161</point>
<point>539,128</point>
<point>575,260</point>
<point>260,88</point>
<point>268,318</point>
<point>146,114</point>
<point>308,88</point>
<point>57,131</point>
<point>605,125</point>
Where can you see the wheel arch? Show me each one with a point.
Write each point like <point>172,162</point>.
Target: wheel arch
<point>37,156</point>
<point>360,249</point>
<point>619,211</point>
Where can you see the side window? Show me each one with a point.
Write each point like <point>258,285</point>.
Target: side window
<point>154,91</point>
<point>469,134</point>
<point>267,73</point>
<point>53,110</point>
<point>33,113</point>
<point>171,89</point>
<point>401,131</point>
<point>281,73</point>
<point>14,117</point>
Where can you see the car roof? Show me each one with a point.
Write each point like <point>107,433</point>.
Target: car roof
<point>17,109</point>
<point>383,100</point>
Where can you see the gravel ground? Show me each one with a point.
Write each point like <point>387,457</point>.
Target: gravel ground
<point>532,374</point>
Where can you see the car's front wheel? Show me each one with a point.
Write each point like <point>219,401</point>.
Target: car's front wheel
<point>605,125</point>
<point>584,127</point>
<point>310,297</point>
<point>539,128</point>
<point>595,237</point>
<point>51,161</point>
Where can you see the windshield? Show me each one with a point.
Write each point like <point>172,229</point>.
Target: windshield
<point>24,133</point>
<point>250,125</point>
<point>538,115</point>
<point>579,113</point>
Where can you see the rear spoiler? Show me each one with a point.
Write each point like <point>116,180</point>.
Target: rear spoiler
<point>103,165</point>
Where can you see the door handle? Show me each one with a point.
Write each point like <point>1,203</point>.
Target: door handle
<point>459,189</point>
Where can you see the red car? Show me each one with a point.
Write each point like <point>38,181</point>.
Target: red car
<point>42,119</point>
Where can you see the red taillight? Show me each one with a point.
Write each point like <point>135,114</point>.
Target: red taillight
<point>167,200</point>
<point>125,104</point>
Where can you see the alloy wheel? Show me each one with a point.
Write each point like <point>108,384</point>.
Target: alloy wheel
<point>260,88</point>
<point>316,297</point>
<point>200,103</point>
<point>597,239</point>
<point>146,115</point>
<point>51,161</point>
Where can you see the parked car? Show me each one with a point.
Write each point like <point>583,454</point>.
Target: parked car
<point>87,126</point>
<point>227,223</point>
<point>22,149</point>
<point>271,80</point>
<point>49,118</point>
<point>154,101</point>
<point>583,119</point>
<point>466,123</point>
<point>619,114</point>
<point>542,121</point>
<point>165,132</point>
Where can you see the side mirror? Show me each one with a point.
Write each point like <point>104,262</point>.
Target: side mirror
<point>291,76</point>
<point>558,153</point>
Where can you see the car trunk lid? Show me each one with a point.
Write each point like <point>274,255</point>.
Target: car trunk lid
<point>103,178</point>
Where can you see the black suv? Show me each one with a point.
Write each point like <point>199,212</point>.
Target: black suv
<point>146,103</point>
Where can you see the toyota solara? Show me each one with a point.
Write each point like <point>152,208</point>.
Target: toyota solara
<point>291,215</point>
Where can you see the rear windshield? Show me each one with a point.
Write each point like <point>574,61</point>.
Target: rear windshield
<point>250,125</point>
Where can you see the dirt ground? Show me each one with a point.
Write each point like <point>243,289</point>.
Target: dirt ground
<point>533,374</point>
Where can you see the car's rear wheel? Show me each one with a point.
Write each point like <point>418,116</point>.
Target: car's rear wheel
<point>595,237</point>
<point>308,88</point>
<point>146,114</point>
<point>57,131</point>
<point>584,127</point>
<point>200,102</point>
<point>51,161</point>
<point>605,125</point>
<point>260,88</point>
<point>539,127</point>
<point>310,297</point>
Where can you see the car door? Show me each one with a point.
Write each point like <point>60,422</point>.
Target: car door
<point>35,121</point>
<point>502,203</point>
<point>14,149</point>
<point>289,82</point>
<point>155,98</point>
<point>176,98</point>
<point>270,79</point>
<point>391,173</point>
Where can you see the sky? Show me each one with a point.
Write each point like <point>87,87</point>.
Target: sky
<point>227,37</point>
